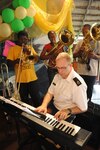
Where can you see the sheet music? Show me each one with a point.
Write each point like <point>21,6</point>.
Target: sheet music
<point>21,107</point>
<point>28,108</point>
<point>23,104</point>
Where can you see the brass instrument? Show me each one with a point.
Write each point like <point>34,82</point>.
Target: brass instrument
<point>88,44</point>
<point>8,89</point>
<point>66,38</point>
<point>95,31</point>
<point>27,55</point>
<point>25,59</point>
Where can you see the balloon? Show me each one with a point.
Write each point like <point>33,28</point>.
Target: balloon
<point>20,12</point>
<point>0,19</point>
<point>24,3</point>
<point>15,3</point>
<point>8,15</point>
<point>17,25</point>
<point>28,21</point>
<point>31,11</point>
<point>5,30</point>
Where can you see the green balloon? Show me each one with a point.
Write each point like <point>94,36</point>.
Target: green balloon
<point>15,3</point>
<point>7,15</point>
<point>24,3</point>
<point>28,21</point>
<point>17,25</point>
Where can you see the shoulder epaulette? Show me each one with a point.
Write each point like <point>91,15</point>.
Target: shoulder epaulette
<point>77,81</point>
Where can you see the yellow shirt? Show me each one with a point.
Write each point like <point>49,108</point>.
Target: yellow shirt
<point>24,71</point>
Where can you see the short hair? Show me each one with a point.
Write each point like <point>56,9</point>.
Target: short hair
<point>22,33</point>
<point>87,25</point>
<point>64,55</point>
<point>51,32</point>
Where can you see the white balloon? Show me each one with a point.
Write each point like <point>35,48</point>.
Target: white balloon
<point>31,11</point>
<point>20,12</point>
<point>5,30</point>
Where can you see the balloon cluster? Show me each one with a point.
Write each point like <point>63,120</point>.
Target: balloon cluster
<point>16,19</point>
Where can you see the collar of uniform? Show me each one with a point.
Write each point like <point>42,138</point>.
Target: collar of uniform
<point>70,76</point>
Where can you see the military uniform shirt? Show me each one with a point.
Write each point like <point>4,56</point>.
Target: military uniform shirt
<point>69,92</point>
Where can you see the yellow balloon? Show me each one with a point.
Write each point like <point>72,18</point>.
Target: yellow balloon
<point>5,30</point>
<point>0,19</point>
<point>20,12</point>
<point>31,11</point>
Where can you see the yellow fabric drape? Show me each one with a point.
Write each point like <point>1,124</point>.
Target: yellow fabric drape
<point>50,15</point>
<point>46,21</point>
<point>40,4</point>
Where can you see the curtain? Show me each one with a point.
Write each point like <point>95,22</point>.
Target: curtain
<point>52,15</point>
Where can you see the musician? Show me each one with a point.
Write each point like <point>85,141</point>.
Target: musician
<point>88,71</point>
<point>67,91</point>
<point>22,57</point>
<point>51,70</point>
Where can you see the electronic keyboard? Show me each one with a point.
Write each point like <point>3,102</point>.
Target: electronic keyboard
<point>60,131</point>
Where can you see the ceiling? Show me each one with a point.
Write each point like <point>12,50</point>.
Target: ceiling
<point>85,12</point>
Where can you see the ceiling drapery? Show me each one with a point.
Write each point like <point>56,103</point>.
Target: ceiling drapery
<point>50,15</point>
<point>53,14</point>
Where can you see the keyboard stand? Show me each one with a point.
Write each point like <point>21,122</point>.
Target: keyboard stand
<point>30,137</point>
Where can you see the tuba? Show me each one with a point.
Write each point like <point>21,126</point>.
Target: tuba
<point>66,38</point>
<point>88,44</point>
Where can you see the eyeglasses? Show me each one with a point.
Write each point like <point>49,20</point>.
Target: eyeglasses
<point>62,68</point>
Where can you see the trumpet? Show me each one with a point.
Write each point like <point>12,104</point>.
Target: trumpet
<point>66,38</point>
<point>27,55</point>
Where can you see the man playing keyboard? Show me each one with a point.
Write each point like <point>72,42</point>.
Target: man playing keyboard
<point>66,95</point>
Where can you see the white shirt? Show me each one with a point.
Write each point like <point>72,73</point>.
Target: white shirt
<point>67,93</point>
<point>82,68</point>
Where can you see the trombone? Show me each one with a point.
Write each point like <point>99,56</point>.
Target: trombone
<point>8,88</point>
